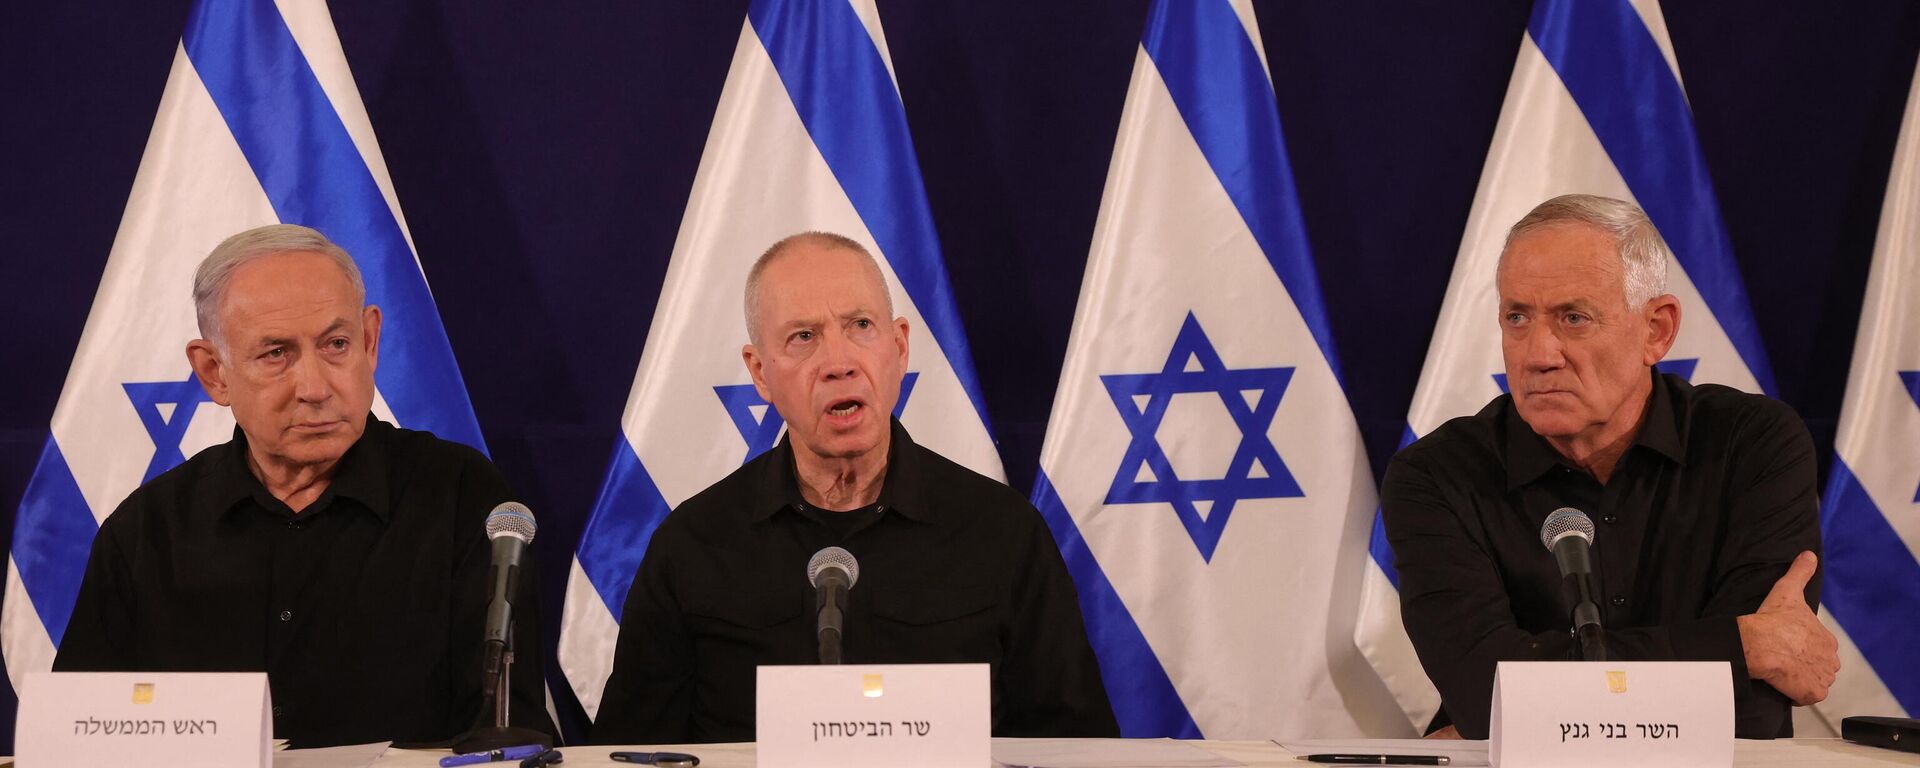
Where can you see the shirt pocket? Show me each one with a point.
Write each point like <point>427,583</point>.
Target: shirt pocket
<point>741,609</point>
<point>921,607</point>
<point>919,625</point>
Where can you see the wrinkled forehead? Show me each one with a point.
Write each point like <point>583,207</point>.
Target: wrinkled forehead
<point>809,281</point>
<point>1562,261</point>
<point>289,282</point>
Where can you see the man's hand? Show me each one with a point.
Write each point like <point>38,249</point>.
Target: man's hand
<point>1785,644</point>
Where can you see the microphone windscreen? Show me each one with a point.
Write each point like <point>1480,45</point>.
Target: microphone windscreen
<point>1565,521</point>
<point>833,557</point>
<point>511,518</point>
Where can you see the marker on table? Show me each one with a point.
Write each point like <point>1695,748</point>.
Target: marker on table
<point>1377,759</point>
<point>492,756</point>
<point>660,759</point>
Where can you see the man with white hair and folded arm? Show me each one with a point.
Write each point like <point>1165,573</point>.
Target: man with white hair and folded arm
<point>344,557</point>
<point>1704,497</point>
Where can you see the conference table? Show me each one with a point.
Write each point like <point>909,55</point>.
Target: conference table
<point>1813,753</point>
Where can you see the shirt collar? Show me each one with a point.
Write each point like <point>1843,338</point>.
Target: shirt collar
<point>1528,455</point>
<point>362,474</point>
<point>775,484</point>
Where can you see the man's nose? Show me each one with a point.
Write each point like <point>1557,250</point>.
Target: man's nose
<point>310,383</point>
<point>836,356</point>
<point>1545,350</point>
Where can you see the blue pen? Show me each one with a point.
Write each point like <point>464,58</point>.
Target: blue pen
<point>492,756</point>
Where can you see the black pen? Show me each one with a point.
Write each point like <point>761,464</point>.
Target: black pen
<point>1377,759</point>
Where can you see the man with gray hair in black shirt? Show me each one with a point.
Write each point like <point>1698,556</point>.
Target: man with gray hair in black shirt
<point>1704,496</point>
<point>954,567</point>
<point>344,557</point>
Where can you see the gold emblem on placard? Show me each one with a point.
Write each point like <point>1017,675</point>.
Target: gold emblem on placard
<point>1617,682</point>
<point>870,686</point>
<point>143,693</point>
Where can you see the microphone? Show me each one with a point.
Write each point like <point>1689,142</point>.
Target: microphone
<point>1568,534</point>
<point>832,572</point>
<point>510,526</point>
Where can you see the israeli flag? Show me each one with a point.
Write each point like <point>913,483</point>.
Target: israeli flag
<point>260,123</point>
<point>809,134</point>
<point>1203,473</point>
<point>1870,516</point>
<point>1595,106</point>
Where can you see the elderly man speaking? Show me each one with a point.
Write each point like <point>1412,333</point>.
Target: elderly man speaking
<point>954,567</point>
<point>342,556</point>
<point>1704,496</point>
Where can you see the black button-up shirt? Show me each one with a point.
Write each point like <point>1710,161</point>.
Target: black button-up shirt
<point>1704,512</point>
<point>365,609</point>
<point>954,567</point>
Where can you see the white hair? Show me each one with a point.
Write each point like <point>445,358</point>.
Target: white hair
<point>216,270</point>
<point>823,239</point>
<point>1643,252</point>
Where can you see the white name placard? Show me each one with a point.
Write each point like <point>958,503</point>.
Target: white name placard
<point>113,719</point>
<point>874,716</point>
<point>1646,714</point>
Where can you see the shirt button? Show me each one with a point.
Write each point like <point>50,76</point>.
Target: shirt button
<point>286,615</point>
<point>1610,519</point>
<point>279,710</point>
<point>1619,601</point>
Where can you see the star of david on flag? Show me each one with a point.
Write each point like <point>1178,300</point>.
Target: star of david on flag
<point>166,409</point>
<point>1167,435</point>
<point>1251,396</point>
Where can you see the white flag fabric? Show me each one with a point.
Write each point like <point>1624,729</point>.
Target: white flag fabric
<point>1202,472</point>
<point>810,134</point>
<point>1595,106</point>
<point>1870,516</point>
<point>260,123</point>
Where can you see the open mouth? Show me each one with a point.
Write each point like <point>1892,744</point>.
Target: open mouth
<point>843,408</point>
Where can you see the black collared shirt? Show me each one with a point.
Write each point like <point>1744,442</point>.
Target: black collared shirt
<point>365,609</point>
<point>1704,512</point>
<point>954,567</point>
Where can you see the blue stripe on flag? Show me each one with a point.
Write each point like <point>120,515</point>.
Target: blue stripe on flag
<point>1221,89</point>
<point>1632,99</point>
<point>628,510</point>
<point>52,536</point>
<point>851,108</point>
<point>1872,584</point>
<point>1143,697</point>
<point>1377,545</point>
<point>314,175</point>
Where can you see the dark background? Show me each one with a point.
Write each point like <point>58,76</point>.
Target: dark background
<point>543,152</point>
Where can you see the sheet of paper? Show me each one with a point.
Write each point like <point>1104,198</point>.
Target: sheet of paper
<point>1103,753</point>
<point>350,756</point>
<point>1458,752</point>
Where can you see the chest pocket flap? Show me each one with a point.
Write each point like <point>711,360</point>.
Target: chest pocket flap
<point>919,606</point>
<point>745,608</point>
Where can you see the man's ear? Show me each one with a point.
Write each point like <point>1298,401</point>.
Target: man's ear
<point>207,367</point>
<point>751,357</point>
<point>1663,326</point>
<point>370,333</point>
<point>901,334</point>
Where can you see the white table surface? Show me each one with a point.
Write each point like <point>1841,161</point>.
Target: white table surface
<point>1813,753</point>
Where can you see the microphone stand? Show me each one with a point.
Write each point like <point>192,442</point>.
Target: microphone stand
<point>1592,642</point>
<point>499,735</point>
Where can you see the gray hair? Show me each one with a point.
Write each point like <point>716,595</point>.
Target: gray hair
<point>1643,253</point>
<point>822,239</point>
<point>216,270</point>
